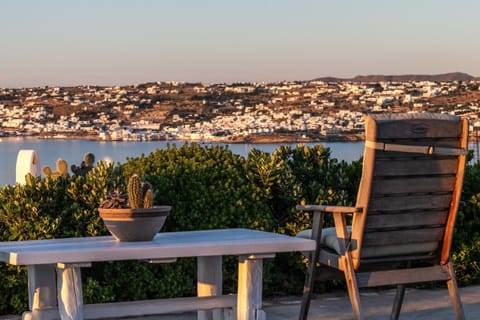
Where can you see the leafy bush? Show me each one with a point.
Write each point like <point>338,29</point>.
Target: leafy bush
<point>208,188</point>
<point>466,242</point>
<point>291,176</point>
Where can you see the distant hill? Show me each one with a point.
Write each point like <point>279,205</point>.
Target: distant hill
<point>453,76</point>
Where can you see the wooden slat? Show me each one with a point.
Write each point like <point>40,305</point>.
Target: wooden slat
<point>312,207</point>
<point>386,261</point>
<point>423,143</point>
<point>409,167</point>
<point>414,202</point>
<point>418,128</point>
<point>451,142</point>
<point>419,184</point>
<point>398,156</point>
<point>386,238</point>
<point>405,276</point>
<point>142,308</point>
<point>415,148</point>
<point>402,220</point>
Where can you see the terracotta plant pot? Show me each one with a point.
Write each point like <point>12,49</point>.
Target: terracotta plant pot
<point>127,224</point>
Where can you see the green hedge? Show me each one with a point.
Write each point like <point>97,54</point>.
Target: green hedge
<point>466,243</point>
<point>208,187</point>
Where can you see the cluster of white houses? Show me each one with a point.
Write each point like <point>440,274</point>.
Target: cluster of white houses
<point>241,124</point>
<point>309,106</point>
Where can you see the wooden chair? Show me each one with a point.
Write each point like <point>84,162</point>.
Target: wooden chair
<point>402,224</point>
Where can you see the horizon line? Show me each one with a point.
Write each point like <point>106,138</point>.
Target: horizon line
<point>475,78</point>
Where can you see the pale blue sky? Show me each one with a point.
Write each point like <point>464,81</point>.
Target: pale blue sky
<point>116,42</point>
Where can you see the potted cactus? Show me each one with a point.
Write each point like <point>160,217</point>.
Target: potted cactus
<point>132,216</point>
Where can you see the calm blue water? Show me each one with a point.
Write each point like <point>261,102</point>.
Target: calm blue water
<point>49,150</point>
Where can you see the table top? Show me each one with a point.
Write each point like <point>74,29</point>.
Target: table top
<point>165,245</point>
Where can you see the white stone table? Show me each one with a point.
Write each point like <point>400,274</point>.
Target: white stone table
<point>54,278</point>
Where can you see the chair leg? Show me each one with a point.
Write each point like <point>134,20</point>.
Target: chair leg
<point>352,287</point>
<point>307,291</point>
<point>397,304</point>
<point>312,265</point>
<point>453,291</point>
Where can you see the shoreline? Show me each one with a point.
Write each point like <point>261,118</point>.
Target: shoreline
<point>253,139</point>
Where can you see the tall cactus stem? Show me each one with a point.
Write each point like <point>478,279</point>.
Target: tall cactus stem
<point>135,192</point>
<point>148,200</point>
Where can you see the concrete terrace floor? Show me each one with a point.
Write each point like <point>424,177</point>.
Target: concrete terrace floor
<point>419,304</point>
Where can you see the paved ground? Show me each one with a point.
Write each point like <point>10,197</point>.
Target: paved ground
<point>418,305</point>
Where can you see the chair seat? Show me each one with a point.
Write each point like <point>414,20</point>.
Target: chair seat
<point>329,237</point>
<point>329,240</point>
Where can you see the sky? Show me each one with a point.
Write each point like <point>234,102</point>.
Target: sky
<point>119,42</point>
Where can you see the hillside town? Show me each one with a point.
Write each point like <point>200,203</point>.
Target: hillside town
<point>258,112</point>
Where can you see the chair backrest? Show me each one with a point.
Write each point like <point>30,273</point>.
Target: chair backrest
<point>410,189</point>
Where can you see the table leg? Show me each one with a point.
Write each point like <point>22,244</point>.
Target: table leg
<point>250,283</point>
<point>209,283</point>
<point>42,290</point>
<point>70,295</point>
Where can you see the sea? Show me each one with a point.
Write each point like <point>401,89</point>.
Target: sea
<point>72,150</point>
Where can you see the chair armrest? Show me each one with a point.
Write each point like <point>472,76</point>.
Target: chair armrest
<point>333,209</point>
<point>339,213</point>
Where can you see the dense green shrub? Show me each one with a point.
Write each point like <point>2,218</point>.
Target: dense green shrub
<point>466,243</point>
<point>208,187</point>
<point>291,176</point>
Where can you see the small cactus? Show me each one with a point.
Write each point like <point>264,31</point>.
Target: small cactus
<point>114,199</point>
<point>89,159</point>
<point>85,166</point>
<point>62,169</point>
<point>148,199</point>
<point>139,192</point>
